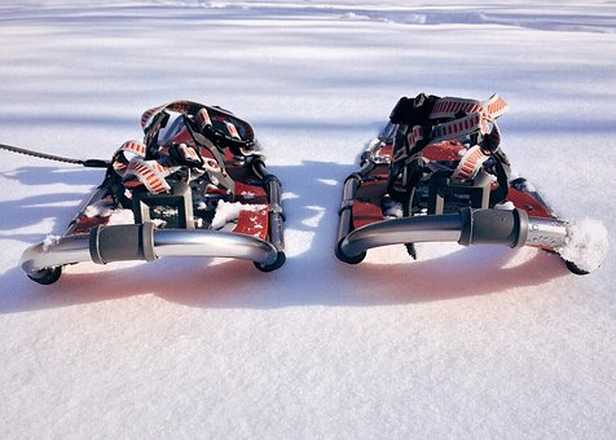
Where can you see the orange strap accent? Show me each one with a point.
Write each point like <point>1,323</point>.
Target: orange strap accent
<point>150,173</point>
<point>470,164</point>
<point>448,107</point>
<point>459,127</point>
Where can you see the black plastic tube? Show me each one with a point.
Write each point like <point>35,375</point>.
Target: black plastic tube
<point>276,214</point>
<point>122,243</point>
<point>345,221</point>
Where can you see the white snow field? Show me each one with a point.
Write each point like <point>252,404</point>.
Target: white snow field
<point>482,342</point>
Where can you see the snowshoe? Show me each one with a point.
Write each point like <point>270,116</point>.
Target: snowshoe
<point>196,186</point>
<point>437,172</point>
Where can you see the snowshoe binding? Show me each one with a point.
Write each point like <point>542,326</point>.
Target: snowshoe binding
<point>437,172</point>
<point>196,186</point>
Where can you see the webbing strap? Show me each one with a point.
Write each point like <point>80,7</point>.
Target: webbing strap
<point>449,107</point>
<point>470,164</point>
<point>150,173</point>
<point>133,146</point>
<point>189,154</point>
<point>217,172</point>
<point>135,171</point>
<point>176,106</point>
<point>414,135</point>
<point>478,118</point>
<point>120,160</point>
<point>201,115</point>
<point>203,118</point>
<point>232,130</point>
<point>460,127</point>
<point>496,106</point>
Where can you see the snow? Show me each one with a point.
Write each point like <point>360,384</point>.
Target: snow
<point>587,244</point>
<point>122,217</point>
<point>50,240</point>
<point>228,211</point>
<point>478,342</point>
<point>99,208</point>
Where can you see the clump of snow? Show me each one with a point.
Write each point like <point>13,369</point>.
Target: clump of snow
<point>49,241</point>
<point>505,206</point>
<point>98,209</point>
<point>248,195</point>
<point>529,186</point>
<point>229,211</point>
<point>392,208</point>
<point>587,244</point>
<point>159,222</point>
<point>121,217</point>
<point>102,208</point>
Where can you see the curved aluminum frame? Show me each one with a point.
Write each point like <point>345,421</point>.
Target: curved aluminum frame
<point>545,233</point>
<point>59,252</point>
<point>73,249</point>
<point>402,230</point>
<point>183,243</point>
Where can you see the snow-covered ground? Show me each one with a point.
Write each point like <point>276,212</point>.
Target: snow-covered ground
<point>466,343</point>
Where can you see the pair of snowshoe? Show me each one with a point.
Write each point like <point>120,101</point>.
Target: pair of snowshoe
<point>197,186</point>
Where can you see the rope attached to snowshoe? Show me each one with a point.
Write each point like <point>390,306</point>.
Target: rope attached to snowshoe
<point>199,147</point>
<point>88,163</point>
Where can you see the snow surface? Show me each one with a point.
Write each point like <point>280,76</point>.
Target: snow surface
<point>479,342</point>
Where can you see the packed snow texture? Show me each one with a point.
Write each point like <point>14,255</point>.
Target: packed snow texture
<point>477,342</point>
<point>587,244</point>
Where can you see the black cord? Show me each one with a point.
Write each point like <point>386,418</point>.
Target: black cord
<point>90,163</point>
